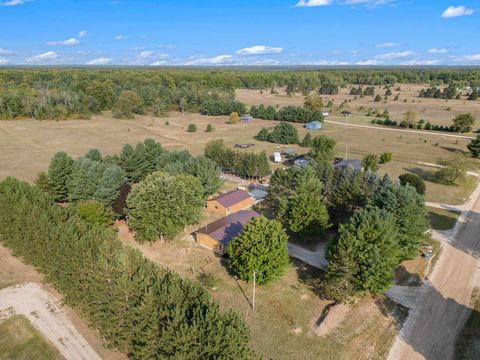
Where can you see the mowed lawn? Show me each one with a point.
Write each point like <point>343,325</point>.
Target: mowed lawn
<point>19,340</point>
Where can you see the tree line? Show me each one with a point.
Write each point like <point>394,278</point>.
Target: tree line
<point>138,307</point>
<point>43,93</point>
<point>298,114</point>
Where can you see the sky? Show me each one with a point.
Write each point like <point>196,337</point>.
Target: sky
<point>239,32</point>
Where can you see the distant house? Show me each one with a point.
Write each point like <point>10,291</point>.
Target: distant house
<point>247,118</point>
<point>217,235</point>
<point>230,202</point>
<point>325,113</point>
<point>354,164</point>
<point>314,125</point>
<point>301,163</point>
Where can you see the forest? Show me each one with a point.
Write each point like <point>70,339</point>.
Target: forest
<point>57,93</point>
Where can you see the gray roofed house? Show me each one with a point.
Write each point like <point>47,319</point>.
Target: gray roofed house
<point>354,164</point>
<point>217,235</point>
<point>246,118</point>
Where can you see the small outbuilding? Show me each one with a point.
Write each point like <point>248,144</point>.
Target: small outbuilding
<point>230,202</point>
<point>277,157</point>
<point>314,125</point>
<point>246,118</point>
<point>325,113</point>
<point>217,235</point>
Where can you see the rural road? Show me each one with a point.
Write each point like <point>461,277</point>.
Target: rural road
<point>444,301</point>
<point>42,310</point>
<point>384,128</point>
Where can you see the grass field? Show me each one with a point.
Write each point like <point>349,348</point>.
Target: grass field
<point>468,341</point>
<point>19,340</point>
<point>441,219</point>
<point>437,111</point>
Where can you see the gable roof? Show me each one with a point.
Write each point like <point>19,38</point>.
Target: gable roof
<point>225,229</point>
<point>231,198</point>
<point>355,164</point>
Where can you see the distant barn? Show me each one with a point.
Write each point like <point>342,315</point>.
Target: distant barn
<point>314,125</point>
<point>217,235</point>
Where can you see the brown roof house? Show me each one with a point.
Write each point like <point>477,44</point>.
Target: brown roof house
<point>230,202</point>
<point>218,234</point>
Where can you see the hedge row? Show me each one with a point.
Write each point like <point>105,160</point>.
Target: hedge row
<point>138,307</point>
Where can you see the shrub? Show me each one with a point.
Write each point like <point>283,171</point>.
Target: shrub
<point>386,157</point>
<point>370,162</point>
<point>192,128</point>
<point>94,213</point>
<point>463,123</point>
<point>209,128</point>
<point>474,147</point>
<point>263,135</point>
<point>413,180</point>
<point>378,98</point>
<point>233,118</point>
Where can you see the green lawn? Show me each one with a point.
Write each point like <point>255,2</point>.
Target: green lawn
<point>441,219</point>
<point>19,340</point>
<point>468,341</point>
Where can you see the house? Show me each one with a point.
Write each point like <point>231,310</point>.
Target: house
<point>247,118</point>
<point>230,202</point>
<point>354,164</point>
<point>277,157</point>
<point>314,125</point>
<point>217,235</point>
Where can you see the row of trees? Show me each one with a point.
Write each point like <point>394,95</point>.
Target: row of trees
<point>368,91</point>
<point>283,133</point>
<point>297,114</point>
<point>450,92</point>
<point>138,307</point>
<point>242,163</point>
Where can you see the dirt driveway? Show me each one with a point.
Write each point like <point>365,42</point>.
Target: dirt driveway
<point>444,302</point>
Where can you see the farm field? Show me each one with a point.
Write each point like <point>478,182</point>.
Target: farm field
<point>21,341</point>
<point>437,111</point>
<point>27,146</point>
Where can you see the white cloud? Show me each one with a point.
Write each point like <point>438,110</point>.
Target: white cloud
<point>437,51</point>
<point>119,37</point>
<point>82,33</point>
<point>387,45</point>
<point>395,55</point>
<point>326,63</point>
<point>100,61</point>
<point>145,54</point>
<point>216,60</point>
<point>166,46</point>
<point>260,50</point>
<point>158,63</point>
<point>13,2</point>
<point>420,62</point>
<point>468,58</point>
<point>313,3</point>
<point>45,57</point>
<point>6,52</point>
<point>4,61</point>
<point>369,62</point>
<point>68,42</point>
<point>455,11</point>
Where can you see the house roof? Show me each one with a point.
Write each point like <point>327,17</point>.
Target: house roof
<point>231,198</point>
<point>355,164</point>
<point>225,229</point>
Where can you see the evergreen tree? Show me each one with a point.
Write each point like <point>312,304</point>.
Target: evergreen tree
<point>263,135</point>
<point>132,161</point>
<point>284,133</point>
<point>370,162</point>
<point>94,212</point>
<point>59,173</point>
<point>364,256</point>
<point>94,154</point>
<point>307,140</point>
<point>207,171</point>
<point>474,147</point>
<point>322,149</point>
<point>408,209</point>
<point>260,248</point>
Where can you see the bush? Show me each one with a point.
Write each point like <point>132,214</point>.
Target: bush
<point>233,118</point>
<point>378,98</point>
<point>370,162</point>
<point>263,135</point>
<point>474,147</point>
<point>192,128</point>
<point>386,157</point>
<point>413,180</point>
<point>452,171</point>
<point>209,128</point>
<point>94,213</point>
<point>260,248</point>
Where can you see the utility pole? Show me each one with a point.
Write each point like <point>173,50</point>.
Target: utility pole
<point>253,301</point>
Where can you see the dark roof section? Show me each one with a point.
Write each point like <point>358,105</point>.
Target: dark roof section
<point>227,228</point>
<point>354,164</point>
<point>231,198</point>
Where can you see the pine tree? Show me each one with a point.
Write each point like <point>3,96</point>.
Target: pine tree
<point>322,149</point>
<point>94,154</point>
<point>59,173</point>
<point>207,171</point>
